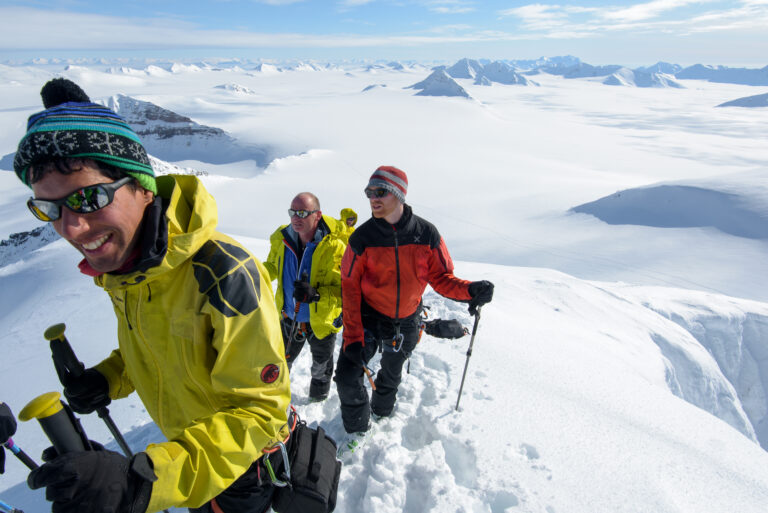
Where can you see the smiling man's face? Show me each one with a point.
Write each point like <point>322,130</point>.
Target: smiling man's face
<point>107,237</point>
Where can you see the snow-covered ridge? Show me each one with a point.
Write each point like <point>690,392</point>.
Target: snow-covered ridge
<point>737,210</point>
<point>724,74</point>
<point>19,245</point>
<point>173,137</point>
<point>236,88</point>
<point>734,332</point>
<point>638,78</point>
<point>758,100</point>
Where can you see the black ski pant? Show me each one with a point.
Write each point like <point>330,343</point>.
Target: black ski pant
<point>251,493</point>
<point>350,379</point>
<point>322,356</point>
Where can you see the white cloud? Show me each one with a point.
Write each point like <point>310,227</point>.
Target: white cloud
<point>571,21</point>
<point>452,10</point>
<point>354,3</point>
<point>450,6</point>
<point>538,16</point>
<point>648,10</point>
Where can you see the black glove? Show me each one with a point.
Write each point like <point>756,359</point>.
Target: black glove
<point>354,353</point>
<point>102,481</point>
<point>88,392</point>
<point>7,430</point>
<point>304,292</point>
<point>481,292</point>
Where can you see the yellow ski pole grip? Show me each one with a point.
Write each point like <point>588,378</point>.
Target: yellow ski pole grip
<point>55,421</point>
<point>55,332</point>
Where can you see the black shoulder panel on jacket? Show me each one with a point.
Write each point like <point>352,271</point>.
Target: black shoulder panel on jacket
<point>378,233</point>
<point>228,276</point>
<point>420,231</point>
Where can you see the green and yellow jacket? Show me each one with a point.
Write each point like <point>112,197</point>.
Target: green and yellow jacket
<point>200,342</point>
<point>324,275</point>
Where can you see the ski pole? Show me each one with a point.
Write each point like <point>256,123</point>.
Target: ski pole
<point>65,361</point>
<point>469,353</point>
<point>23,456</point>
<point>7,508</point>
<point>9,430</point>
<point>59,424</point>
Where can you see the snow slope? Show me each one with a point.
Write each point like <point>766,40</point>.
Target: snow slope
<point>573,399</point>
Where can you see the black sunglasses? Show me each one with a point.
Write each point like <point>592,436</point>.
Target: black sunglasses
<point>301,214</point>
<point>82,201</point>
<point>377,193</point>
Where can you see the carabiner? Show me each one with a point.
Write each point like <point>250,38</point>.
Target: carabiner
<point>397,342</point>
<point>286,464</point>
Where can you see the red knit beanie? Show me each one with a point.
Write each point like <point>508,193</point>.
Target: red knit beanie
<point>392,179</point>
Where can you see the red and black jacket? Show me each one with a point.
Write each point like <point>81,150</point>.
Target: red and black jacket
<point>389,266</point>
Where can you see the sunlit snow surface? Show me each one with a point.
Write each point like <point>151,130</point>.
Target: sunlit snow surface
<point>635,382</point>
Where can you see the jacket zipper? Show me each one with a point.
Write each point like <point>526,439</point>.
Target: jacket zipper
<point>397,274</point>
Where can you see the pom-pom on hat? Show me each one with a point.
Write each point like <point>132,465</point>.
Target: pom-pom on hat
<point>72,126</point>
<point>392,179</point>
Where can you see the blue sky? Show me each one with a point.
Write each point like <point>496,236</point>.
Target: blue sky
<point>599,32</point>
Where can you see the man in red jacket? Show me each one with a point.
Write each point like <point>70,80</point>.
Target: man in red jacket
<point>387,265</point>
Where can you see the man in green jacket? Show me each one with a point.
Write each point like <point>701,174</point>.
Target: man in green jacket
<point>305,259</point>
<point>197,327</point>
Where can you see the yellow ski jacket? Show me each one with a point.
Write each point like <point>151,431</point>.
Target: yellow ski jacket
<point>200,342</point>
<point>325,276</point>
<point>344,228</point>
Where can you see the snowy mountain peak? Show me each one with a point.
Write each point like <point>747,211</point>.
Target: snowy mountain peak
<point>235,88</point>
<point>438,83</point>
<point>465,68</point>
<point>501,73</point>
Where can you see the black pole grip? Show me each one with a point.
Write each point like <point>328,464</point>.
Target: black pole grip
<point>64,358</point>
<point>57,422</point>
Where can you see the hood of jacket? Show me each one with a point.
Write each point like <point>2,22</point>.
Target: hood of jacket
<point>190,217</point>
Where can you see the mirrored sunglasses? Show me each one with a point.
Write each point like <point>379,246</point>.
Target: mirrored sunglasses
<point>82,201</point>
<point>376,193</point>
<point>301,214</point>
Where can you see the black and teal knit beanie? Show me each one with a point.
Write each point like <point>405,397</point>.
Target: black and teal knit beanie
<point>72,126</point>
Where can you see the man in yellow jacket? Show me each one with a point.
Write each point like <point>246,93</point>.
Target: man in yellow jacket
<point>198,330</point>
<point>305,259</point>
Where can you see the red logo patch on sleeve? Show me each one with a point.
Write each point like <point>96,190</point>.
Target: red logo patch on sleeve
<point>270,373</point>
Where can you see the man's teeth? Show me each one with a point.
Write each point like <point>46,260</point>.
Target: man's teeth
<point>90,246</point>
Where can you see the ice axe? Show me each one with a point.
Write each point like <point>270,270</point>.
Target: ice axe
<point>66,363</point>
<point>469,353</point>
